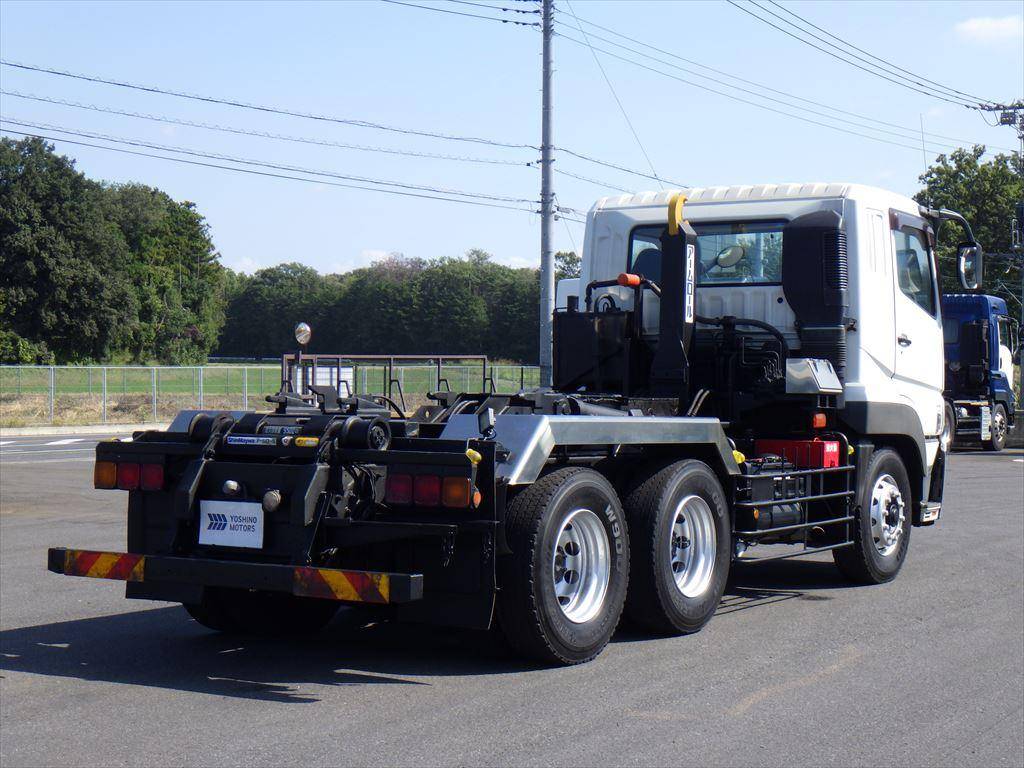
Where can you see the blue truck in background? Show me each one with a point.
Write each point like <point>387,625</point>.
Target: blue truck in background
<point>982,344</point>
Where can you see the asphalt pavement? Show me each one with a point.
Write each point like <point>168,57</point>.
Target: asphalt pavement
<point>798,667</point>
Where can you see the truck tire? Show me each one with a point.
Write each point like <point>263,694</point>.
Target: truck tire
<point>884,520</point>
<point>562,589</point>
<point>998,431</point>
<point>681,543</point>
<point>241,611</point>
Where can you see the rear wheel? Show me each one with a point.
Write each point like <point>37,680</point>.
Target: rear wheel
<point>563,587</point>
<point>882,528</point>
<point>998,430</point>
<point>260,613</point>
<point>680,539</point>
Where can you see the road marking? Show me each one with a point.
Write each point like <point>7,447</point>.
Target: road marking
<point>1019,461</point>
<point>7,442</point>
<point>68,441</point>
<point>47,450</point>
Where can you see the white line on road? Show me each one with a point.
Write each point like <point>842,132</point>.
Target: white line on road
<point>47,450</point>
<point>67,441</point>
<point>6,442</point>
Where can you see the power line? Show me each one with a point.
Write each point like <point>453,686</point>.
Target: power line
<point>907,129</point>
<point>596,182</point>
<point>835,55</point>
<point>615,96</point>
<point>260,134</point>
<point>264,107</point>
<point>462,13</point>
<point>267,174</point>
<point>873,56</point>
<point>261,163</point>
<point>744,101</point>
<point>606,164</point>
<point>492,7</point>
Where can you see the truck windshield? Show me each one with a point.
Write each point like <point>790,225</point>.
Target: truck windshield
<point>728,253</point>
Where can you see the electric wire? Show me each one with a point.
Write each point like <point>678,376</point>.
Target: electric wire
<point>462,13</point>
<point>742,100</point>
<point>835,55</point>
<point>615,96</point>
<point>260,134</point>
<point>267,173</point>
<point>491,7</point>
<point>606,164</point>
<point>265,107</point>
<point>262,163</point>
<point>596,182</point>
<point>887,62</point>
<point>906,129</point>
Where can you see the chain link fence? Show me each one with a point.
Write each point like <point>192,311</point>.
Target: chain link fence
<point>79,395</point>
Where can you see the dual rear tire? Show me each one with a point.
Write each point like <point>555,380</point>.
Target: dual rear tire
<point>565,585</point>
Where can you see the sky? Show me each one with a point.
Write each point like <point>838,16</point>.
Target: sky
<point>435,72</point>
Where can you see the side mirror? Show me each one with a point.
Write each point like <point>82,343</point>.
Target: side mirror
<point>730,256</point>
<point>970,259</point>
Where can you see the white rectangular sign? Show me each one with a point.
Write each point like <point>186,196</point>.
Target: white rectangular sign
<point>231,523</point>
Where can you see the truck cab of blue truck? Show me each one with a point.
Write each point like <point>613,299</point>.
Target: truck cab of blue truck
<point>982,343</point>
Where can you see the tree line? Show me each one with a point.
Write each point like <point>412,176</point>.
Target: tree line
<point>94,272</point>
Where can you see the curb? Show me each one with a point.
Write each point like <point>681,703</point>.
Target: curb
<point>87,429</point>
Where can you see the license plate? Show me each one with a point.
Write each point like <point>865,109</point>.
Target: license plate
<point>231,524</point>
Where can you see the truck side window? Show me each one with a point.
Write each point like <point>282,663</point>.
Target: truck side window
<point>914,268</point>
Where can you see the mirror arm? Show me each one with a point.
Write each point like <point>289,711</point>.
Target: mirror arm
<point>944,214</point>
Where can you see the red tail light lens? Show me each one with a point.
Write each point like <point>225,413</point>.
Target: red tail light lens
<point>128,476</point>
<point>152,477</point>
<point>427,490</point>
<point>398,489</point>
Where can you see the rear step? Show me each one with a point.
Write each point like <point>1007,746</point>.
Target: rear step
<point>303,581</point>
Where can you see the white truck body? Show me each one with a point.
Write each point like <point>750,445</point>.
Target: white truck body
<point>895,347</point>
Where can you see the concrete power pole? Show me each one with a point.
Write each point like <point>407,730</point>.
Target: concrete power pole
<point>547,200</point>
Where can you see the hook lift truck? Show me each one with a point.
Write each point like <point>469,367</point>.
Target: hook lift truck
<point>760,378</point>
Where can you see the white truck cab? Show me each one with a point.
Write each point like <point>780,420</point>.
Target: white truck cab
<point>893,377</point>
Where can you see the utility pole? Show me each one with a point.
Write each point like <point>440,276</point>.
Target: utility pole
<point>1012,115</point>
<point>547,198</point>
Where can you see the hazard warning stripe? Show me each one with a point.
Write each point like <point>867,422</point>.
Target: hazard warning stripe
<point>350,586</point>
<point>104,565</point>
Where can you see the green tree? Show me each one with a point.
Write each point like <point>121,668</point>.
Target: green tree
<point>63,261</point>
<point>567,264</point>
<point>985,192</point>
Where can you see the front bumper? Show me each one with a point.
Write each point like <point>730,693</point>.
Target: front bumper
<point>303,581</point>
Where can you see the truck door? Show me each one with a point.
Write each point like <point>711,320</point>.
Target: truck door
<point>918,326</point>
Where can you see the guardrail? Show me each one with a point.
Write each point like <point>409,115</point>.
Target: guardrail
<point>79,395</point>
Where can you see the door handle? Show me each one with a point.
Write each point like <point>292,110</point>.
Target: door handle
<point>904,340</point>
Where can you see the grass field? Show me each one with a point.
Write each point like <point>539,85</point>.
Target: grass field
<point>96,395</point>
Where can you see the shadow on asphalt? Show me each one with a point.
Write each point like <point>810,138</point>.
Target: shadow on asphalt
<point>164,648</point>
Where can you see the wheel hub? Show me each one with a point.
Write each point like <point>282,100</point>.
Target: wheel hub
<point>693,545</point>
<point>888,515</point>
<point>581,565</point>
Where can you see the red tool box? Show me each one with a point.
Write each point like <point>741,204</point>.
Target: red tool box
<point>805,454</point>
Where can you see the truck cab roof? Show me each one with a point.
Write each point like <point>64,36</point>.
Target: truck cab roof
<point>972,305</point>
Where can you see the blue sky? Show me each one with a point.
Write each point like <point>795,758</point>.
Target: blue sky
<point>444,73</point>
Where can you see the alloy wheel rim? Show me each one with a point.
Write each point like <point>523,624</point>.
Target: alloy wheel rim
<point>888,513</point>
<point>693,544</point>
<point>581,565</point>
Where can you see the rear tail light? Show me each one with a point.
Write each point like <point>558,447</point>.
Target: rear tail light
<point>128,476</point>
<point>398,489</point>
<point>104,475</point>
<point>152,477</point>
<point>426,491</point>
<point>456,492</point>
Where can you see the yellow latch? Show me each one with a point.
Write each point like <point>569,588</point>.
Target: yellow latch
<point>675,213</point>
<point>307,442</point>
<point>474,456</point>
<point>738,455</point>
